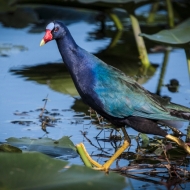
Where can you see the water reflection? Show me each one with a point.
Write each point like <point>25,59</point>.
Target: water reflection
<point>39,16</point>
<point>19,17</point>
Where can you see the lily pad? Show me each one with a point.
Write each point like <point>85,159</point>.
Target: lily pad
<point>178,36</point>
<point>9,148</point>
<point>30,171</point>
<point>145,140</point>
<point>63,148</point>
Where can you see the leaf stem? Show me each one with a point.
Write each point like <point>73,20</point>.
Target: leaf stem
<point>83,156</point>
<point>140,42</point>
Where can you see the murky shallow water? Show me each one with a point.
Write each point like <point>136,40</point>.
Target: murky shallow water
<point>29,72</point>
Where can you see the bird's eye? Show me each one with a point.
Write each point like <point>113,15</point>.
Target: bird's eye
<point>56,29</point>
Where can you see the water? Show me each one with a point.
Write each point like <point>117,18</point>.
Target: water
<point>29,73</point>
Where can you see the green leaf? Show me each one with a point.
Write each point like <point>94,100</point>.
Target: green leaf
<point>178,36</point>
<point>9,148</point>
<point>63,147</point>
<point>158,151</point>
<point>30,171</point>
<point>176,153</point>
<point>145,140</point>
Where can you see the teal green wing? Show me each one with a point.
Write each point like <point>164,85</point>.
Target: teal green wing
<point>121,96</point>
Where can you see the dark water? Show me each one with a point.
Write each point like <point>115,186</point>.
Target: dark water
<point>29,72</point>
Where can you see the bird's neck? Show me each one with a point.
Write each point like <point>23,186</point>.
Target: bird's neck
<point>73,60</point>
<point>67,48</point>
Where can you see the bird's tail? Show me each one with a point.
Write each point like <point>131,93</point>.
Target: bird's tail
<point>178,111</point>
<point>180,114</point>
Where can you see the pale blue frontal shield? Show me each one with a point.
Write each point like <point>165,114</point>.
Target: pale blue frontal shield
<point>50,26</point>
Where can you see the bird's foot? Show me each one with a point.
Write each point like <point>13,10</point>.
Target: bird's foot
<point>95,164</point>
<point>105,167</point>
<point>179,142</point>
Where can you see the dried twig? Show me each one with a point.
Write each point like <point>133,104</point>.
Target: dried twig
<point>46,99</point>
<point>84,135</point>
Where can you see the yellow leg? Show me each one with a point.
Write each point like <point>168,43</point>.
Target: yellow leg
<point>179,142</point>
<point>105,167</point>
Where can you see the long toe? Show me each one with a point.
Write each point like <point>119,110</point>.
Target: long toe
<point>179,142</point>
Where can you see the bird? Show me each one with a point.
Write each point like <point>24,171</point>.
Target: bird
<point>114,95</point>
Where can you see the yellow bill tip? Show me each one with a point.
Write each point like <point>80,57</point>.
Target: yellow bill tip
<point>42,42</point>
